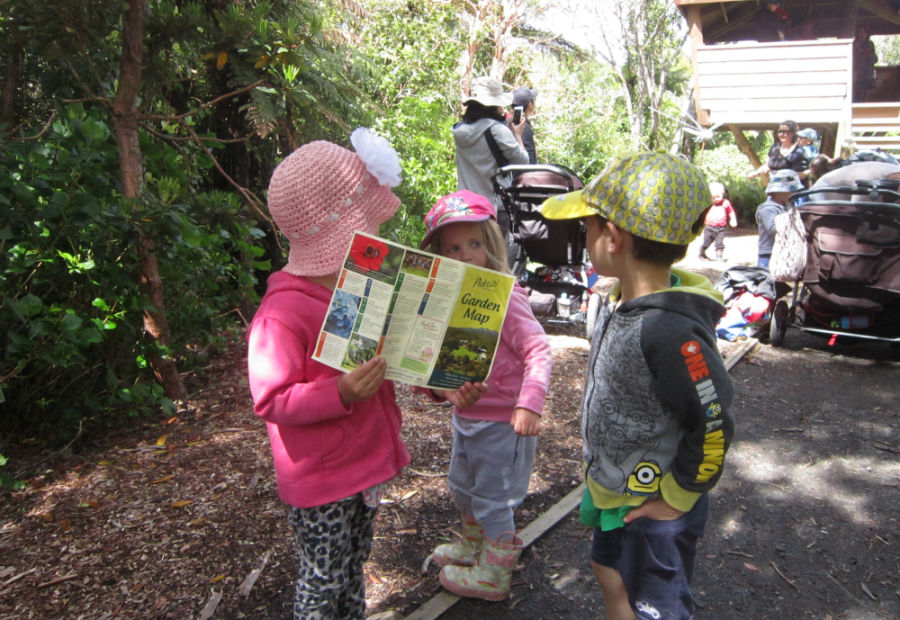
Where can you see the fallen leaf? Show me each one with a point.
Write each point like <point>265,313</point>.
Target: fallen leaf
<point>182,502</point>
<point>161,442</point>
<point>217,578</point>
<point>750,566</point>
<point>163,479</point>
<point>105,463</point>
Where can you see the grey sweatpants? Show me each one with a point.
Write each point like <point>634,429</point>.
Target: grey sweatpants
<point>490,468</point>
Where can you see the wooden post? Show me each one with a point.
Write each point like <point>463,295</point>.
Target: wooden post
<point>744,145</point>
<point>695,27</point>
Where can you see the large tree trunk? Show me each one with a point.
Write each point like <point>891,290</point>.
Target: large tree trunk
<point>126,124</point>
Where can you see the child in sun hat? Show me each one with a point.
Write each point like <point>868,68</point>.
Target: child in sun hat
<point>655,419</point>
<point>494,440</point>
<point>782,184</point>
<point>806,139</point>
<point>335,437</point>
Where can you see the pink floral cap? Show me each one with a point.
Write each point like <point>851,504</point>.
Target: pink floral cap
<point>461,206</point>
<point>321,193</point>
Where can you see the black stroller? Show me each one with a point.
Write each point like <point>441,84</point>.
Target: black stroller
<point>551,259</point>
<point>850,285</point>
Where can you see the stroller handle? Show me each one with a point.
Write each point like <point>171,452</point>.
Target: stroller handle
<point>876,191</point>
<point>550,178</point>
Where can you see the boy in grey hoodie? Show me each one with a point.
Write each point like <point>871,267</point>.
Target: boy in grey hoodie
<point>655,418</point>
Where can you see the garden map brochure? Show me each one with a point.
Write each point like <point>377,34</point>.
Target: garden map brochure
<point>434,320</point>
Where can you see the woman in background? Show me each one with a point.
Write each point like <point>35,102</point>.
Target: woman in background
<point>785,153</point>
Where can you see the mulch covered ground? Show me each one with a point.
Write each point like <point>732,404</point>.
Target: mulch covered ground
<point>169,517</point>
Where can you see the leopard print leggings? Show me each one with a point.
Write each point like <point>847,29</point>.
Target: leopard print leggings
<point>334,542</point>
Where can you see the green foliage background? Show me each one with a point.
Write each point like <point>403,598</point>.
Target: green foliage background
<point>228,90</point>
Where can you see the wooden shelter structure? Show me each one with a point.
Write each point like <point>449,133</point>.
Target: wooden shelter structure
<point>744,82</point>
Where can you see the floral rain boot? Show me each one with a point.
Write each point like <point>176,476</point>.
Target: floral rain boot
<point>466,551</point>
<point>489,579</point>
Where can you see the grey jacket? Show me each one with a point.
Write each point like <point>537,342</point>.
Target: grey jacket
<point>475,164</point>
<point>765,224</point>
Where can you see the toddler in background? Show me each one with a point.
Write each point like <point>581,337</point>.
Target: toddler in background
<point>806,139</point>
<point>719,215</point>
<point>782,185</point>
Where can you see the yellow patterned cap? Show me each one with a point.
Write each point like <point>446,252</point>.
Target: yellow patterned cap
<point>653,195</point>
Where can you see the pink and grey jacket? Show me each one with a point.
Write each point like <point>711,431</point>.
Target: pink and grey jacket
<point>323,451</point>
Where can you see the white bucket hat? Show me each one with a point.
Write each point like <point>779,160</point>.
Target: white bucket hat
<point>489,92</point>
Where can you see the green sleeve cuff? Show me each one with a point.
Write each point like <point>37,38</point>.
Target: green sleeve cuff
<point>675,496</point>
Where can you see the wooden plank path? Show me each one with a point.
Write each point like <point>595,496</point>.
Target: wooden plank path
<point>442,601</point>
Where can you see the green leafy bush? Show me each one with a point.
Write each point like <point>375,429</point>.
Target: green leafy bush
<point>71,314</point>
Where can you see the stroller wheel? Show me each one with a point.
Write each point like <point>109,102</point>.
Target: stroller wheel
<point>593,311</point>
<point>778,324</point>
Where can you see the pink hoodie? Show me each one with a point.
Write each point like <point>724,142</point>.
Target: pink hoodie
<point>323,451</point>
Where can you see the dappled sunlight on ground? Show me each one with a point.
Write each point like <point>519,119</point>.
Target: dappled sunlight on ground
<point>845,483</point>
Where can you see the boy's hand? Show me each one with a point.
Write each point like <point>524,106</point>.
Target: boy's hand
<point>362,382</point>
<point>466,395</point>
<point>525,422</point>
<point>656,509</point>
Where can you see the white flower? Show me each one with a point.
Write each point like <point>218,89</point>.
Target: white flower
<point>377,154</point>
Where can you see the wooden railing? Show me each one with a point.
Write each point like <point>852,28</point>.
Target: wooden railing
<point>876,125</point>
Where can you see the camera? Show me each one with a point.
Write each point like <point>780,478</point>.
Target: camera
<point>517,114</point>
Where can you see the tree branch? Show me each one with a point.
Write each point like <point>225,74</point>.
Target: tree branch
<point>255,203</point>
<point>203,106</point>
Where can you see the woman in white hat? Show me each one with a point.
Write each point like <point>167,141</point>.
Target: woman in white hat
<point>484,142</point>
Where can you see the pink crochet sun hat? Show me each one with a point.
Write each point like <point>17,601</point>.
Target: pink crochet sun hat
<point>461,206</point>
<point>321,193</point>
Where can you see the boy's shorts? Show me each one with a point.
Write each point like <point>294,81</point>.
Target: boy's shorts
<point>656,561</point>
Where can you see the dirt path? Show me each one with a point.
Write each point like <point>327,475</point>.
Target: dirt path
<point>804,523</point>
<point>178,518</point>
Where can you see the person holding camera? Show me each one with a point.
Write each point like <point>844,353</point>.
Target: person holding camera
<point>523,107</point>
<point>485,141</point>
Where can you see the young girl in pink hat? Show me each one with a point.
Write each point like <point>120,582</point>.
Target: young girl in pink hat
<point>335,437</point>
<point>494,439</point>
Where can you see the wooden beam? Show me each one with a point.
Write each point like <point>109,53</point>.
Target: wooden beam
<point>443,601</point>
<point>744,144</point>
<point>851,9</point>
<point>882,11</point>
